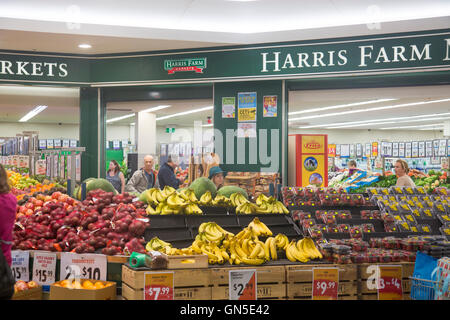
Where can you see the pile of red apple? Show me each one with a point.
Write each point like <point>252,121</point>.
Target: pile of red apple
<point>111,223</point>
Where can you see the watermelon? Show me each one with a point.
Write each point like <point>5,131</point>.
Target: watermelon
<point>94,183</point>
<point>201,185</point>
<point>227,191</point>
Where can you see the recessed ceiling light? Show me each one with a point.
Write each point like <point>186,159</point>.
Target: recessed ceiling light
<point>120,118</point>
<point>185,112</point>
<point>84,46</point>
<point>340,106</point>
<point>153,109</point>
<point>32,113</point>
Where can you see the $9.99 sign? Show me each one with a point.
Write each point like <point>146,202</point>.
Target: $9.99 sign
<point>158,286</point>
<point>325,283</point>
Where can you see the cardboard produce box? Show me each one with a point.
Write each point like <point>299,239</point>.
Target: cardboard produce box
<point>61,293</point>
<point>30,294</point>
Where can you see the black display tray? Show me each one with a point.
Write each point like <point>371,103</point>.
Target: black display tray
<point>193,221</point>
<point>168,234</point>
<point>207,210</point>
<point>167,221</point>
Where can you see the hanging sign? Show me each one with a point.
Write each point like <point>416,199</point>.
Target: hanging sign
<point>325,283</point>
<point>390,283</point>
<point>66,143</point>
<point>442,150</point>
<point>429,149</point>
<point>408,149</point>
<point>332,150</point>
<point>228,107</point>
<point>246,106</point>
<point>401,149</point>
<point>44,268</point>
<point>20,265</point>
<point>124,143</point>
<point>374,149</point>
<point>116,144</point>
<point>73,143</point>
<point>395,149</point>
<point>359,150</point>
<point>242,284</point>
<point>345,150</point>
<point>42,144</point>
<point>84,266</point>
<point>435,148</point>
<point>352,150</point>
<point>158,285</point>
<point>367,150</point>
<point>270,106</point>
<point>414,149</point>
<point>57,143</point>
<point>49,143</point>
<point>78,167</point>
<point>421,149</point>
<point>338,150</point>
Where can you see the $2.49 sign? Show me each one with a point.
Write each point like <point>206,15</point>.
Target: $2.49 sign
<point>390,283</point>
<point>325,283</point>
<point>158,286</point>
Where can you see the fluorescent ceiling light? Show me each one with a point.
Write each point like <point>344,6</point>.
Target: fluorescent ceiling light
<point>84,46</point>
<point>373,121</point>
<point>185,112</point>
<point>32,113</point>
<point>370,109</point>
<point>378,123</point>
<point>208,125</point>
<point>153,109</point>
<point>340,106</point>
<point>132,124</point>
<point>408,127</point>
<point>120,118</point>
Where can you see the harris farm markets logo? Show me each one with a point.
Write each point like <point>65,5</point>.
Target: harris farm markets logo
<point>182,65</point>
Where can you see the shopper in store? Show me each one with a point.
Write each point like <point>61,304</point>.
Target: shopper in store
<point>8,205</point>
<point>166,174</point>
<point>144,178</point>
<point>216,175</point>
<point>115,176</point>
<point>352,167</point>
<point>401,170</point>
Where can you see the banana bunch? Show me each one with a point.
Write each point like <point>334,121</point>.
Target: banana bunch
<point>302,250</point>
<point>179,252</point>
<point>206,199</point>
<point>192,208</point>
<point>259,228</point>
<point>221,201</point>
<point>281,241</point>
<point>212,232</point>
<point>215,253</point>
<point>189,196</point>
<point>247,208</point>
<point>262,198</point>
<point>156,244</point>
<point>238,199</point>
<point>278,207</point>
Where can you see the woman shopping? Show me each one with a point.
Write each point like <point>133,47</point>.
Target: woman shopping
<point>115,176</point>
<point>401,170</point>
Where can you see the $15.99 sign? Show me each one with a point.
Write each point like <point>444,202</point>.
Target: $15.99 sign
<point>325,284</point>
<point>158,286</point>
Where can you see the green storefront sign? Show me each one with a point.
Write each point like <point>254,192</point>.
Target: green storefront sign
<point>375,54</point>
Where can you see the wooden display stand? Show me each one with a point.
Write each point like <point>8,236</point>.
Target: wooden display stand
<point>299,281</point>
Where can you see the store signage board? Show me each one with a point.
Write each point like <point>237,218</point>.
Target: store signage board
<point>242,284</point>
<point>57,143</point>
<point>44,268</point>
<point>374,149</point>
<point>247,106</point>
<point>448,148</point>
<point>345,150</point>
<point>332,150</point>
<point>442,151</point>
<point>325,283</point>
<point>421,149</point>
<point>429,149</point>
<point>415,149</point>
<point>73,143</point>
<point>85,266</point>
<point>352,151</point>
<point>116,144</point>
<point>270,106</point>
<point>367,152</point>
<point>359,150</point>
<point>435,148</point>
<point>338,150</point>
<point>390,282</point>
<point>20,265</point>
<point>42,144</point>
<point>158,285</point>
<point>401,149</point>
<point>408,150</point>
<point>49,143</point>
<point>184,65</point>
<point>228,107</point>
<point>395,149</point>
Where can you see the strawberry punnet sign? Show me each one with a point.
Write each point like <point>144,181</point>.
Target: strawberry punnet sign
<point>197,65</point>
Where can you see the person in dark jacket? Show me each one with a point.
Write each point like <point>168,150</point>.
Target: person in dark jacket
<point>166,174</point>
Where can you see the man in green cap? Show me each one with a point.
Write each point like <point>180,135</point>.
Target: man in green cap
<point>216,175</point>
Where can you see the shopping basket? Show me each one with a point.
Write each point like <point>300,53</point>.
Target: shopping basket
<point>438,289</point>
<point>422,289</point>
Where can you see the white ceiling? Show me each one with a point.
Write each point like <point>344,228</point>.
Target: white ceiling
<point>133,25</point>
<point>309,99</point>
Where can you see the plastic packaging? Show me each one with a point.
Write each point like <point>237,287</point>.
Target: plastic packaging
<point>343,228</point>
<point>356,232</point>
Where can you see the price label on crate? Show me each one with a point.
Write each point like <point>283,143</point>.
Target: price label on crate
<point>390,283</point>
<point>242,284</point>
<point>325,283</point>
<point>158,286</point>
<point>20,265</point>
<point>84,266</point>
<point>44,268</point>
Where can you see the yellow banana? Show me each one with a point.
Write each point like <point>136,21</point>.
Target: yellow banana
<point>289,254</point>
<point>273,249</point>
<point>256,251</point>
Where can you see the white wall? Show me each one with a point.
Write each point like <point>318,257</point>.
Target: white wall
<point>350,136</point>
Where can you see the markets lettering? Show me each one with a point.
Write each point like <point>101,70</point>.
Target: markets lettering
<point>39,69</point>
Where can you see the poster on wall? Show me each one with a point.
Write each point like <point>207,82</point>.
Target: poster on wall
<point>442,151</point>
<point>49,143</point>
<point>338,150</point>
<point>408,147</point>
<point>345,150</point>
<point>73,143</point>
<point>246,106</point>
<point>270,106</point>
<point>428,149</point>
<point>415,149</point>
<point>228,107</point>
<point>367,152</point>
<point>435,148</point>
<point>57,143</point>
<point>352,151</point>
<point>374,149</point>
<point>422,149</point>
<point>359,150</point>
<point>395,149</point>
<point>332,150</point>
<point>42,144</point>
<point>66,143</point>
<point>401,149</point>
<point>246,130</point>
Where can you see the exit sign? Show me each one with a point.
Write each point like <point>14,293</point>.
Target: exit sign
<point>170,130</point>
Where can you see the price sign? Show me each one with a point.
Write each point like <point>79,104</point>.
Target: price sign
<point>20,265</point>
<point>325,283</point>
<point>242,284</point>
<point>44,268</point>
<point>158,286</point>
<point>84,266</point>
<point>390,283</point>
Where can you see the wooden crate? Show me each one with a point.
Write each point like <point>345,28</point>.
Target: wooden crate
<point>363,286</point>
<point>299,281</point>
<point>182,277</point>
<point>188,262</point>
<point>407,269</point>
<point>195,293</point>
<point>30,294</point>
<point>271,282</point>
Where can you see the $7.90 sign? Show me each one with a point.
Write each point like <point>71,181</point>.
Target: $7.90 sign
<point>325,283</point>
<point>84,266</point>
<point>242,284</point>
<point>390,283</point>
<point>158,286</point>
